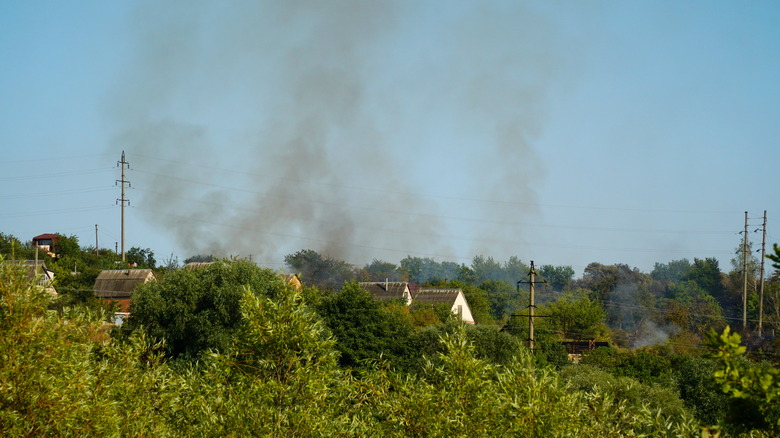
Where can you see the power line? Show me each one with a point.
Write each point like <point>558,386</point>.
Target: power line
<point>309,201</point>
<point>287,180</point>
<point>61,192</point>
<point>52,175</point>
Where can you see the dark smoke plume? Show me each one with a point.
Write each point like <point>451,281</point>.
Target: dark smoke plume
<point>263,127</point>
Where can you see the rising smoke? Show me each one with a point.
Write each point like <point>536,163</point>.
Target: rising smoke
<point>359,129</point>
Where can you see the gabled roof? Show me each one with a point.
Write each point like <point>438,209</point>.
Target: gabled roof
<point>387,290</point>
<point>119,283</point>
<point>446,296</point>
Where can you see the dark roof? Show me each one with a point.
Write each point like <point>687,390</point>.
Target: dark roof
<point>46,236</point>
<point>386,290</point>
<point>119,283</point>
<point>446,296</point>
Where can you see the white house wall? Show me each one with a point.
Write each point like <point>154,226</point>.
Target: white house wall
<point>462,307</point>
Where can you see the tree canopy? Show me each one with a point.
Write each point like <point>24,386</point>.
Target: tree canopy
<point>197,310</point>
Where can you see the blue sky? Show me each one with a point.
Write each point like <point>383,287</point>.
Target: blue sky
<point>560,132</point>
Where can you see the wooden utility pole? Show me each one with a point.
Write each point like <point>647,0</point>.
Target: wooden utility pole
<point>744,275</point>
<point>96,240</point>
<point>761,281</point>
<point>123,165</point>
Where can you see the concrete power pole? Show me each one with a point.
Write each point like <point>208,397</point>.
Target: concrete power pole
<point>123,165</point>
<point>96,240</point>
<point>744,275</point>
<point>761,281</point>
<point>531,305</point>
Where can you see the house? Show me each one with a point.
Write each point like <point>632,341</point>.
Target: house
<point>117,285</point>
<point>389,290</point>
<point>37,269</point>
<point>452,298</point>
<point>46,242</point>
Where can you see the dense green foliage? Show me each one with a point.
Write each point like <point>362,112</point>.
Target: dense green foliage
<point>231,349</point>
<point>758,387</point>
<point>364,329</point>
<point>194,311</point>
<point>62,375</point>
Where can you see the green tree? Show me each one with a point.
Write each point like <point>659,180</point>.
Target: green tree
<point>775,258</point>
<point>671,272</point>
<point>700,392</point>
<point>600,279</point>
<point>691,308</point>
<point>558,277</point>
<point>363,328</point>
<point>514,270</point>
<point>143,258</point>
<point>426,314</point>
<point>624,292</point>
<point>62,376</point>
<point>484,269</point>
<point>13,248</point>
<point>423,270</point>
<point>706,273</point>
<point>379,270</point>
<point>576,316</point>
<point>503,297</point>
<point>198,310</point>
<point>318,270</point>
<point>758,387</point>
<point>66,245</point>
<point>633,392</point>
<point>280,337</point>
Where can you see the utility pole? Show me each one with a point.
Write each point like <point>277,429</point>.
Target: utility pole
<point>532,305</point>
<point>96,239</point>
<point>761,281</point>
<point>744,275</point>
<point>125,165</point>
